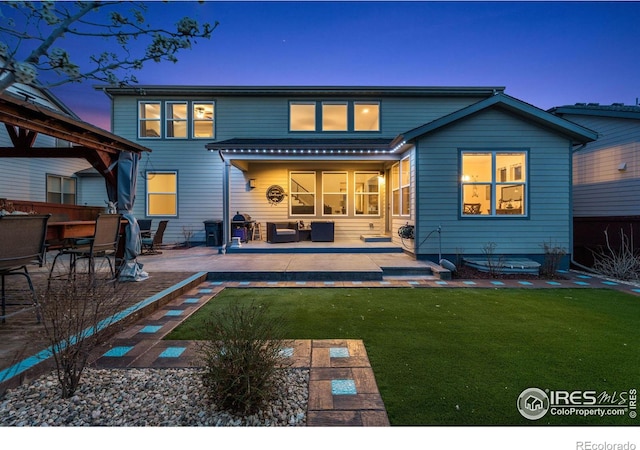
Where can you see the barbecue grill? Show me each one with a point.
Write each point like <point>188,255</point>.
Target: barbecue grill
<point>241,225</point>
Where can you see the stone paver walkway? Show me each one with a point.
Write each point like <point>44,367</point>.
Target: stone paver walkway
<point>342,386</point>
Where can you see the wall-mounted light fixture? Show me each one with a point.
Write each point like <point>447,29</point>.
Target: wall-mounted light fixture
<point>252,183</point>
<point>622,167</point>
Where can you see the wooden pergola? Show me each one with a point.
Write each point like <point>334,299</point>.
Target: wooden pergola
<point>24,119</point>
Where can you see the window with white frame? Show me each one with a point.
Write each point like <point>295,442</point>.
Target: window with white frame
<point>182,119</point>
<point>401,188</point>
<point>203,120</point>
<point>302,190</point>
<point>367,193</point>
<point>61,190</point>
<point>176,118</point>
<point>162,193</point>
<point>334,193</point>
<point>149,116</point>
<point>493,183</point>
<point>405,187</point>
<point>395,189</point>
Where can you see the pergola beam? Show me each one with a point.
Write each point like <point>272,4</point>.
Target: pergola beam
<point>24,120</point>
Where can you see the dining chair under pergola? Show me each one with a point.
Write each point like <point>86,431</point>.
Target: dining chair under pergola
<point>22,239</point>
<point>103,244</point>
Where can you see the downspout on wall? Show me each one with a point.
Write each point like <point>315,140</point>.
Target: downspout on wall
<point>573,261</point>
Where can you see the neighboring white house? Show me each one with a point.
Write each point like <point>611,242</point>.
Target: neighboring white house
<point>44,148</point>
<point>44,179</point>
<point>478,165</point>
<point>606,174</point>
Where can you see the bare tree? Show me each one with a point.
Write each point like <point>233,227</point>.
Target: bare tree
<point>78,314</point>
<point>30,32</point>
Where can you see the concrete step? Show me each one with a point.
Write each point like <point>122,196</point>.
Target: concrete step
<point>375,238</point>
<point>283,248</point>
<point>296,275</point>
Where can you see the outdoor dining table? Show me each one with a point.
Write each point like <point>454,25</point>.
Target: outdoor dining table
<point>71,229</point>
<point>59,232</point>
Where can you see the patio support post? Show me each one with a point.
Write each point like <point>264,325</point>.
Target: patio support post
<point>226,220</point>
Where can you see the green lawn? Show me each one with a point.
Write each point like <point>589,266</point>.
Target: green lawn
<point>462,356</point>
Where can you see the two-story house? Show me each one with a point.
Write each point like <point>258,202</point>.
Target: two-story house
<point>606,177</point>
<point>473,163</point>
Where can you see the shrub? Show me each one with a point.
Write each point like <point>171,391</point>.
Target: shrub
<point>622,263</point>
<point>553,255</point>
<point>242,357</point>
<point>75,312</point>
<point>495,262</point>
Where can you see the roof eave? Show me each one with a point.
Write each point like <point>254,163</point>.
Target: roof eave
<point>595,112</point>
<point>25,114</point>
<point>429,91</point>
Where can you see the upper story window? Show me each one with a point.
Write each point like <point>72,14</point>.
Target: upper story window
<point>176,113</point>
<point>149,114</point>
<point>493,183</point>
<point>61,190</point>
<point>334,116</point>
<point>302,116</point>
<point>203,114</point>
<point>176,119</point>
<point>366,116</point>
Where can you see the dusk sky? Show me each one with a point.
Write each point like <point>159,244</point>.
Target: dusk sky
<point>545,53</point>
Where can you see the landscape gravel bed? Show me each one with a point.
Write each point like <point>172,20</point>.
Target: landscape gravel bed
<point>145,397</point>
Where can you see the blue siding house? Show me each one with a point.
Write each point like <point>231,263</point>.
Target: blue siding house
<point>472,163</point>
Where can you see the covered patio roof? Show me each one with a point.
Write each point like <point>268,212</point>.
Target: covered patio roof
<point>306,149</point>
<point>25,119</point>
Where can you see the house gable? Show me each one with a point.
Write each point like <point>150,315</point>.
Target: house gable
<point>504,102</point>
<point>438,194</point>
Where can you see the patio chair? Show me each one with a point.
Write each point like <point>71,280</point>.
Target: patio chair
<point>103,244</point>
<point>22,239</point>
<point>150,245</point>
<point>282,232</point>
<point>145,227</point>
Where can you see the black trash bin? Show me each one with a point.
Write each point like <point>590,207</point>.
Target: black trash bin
<point>213,232</point>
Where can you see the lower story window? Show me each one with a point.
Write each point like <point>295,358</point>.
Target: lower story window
<point>367,193</point>
<point>334,193</point>
<point>401,188</point>
<point>493,183</point>
<point>162,193</point>
<point>302,187</point>
<point>61,190</point>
